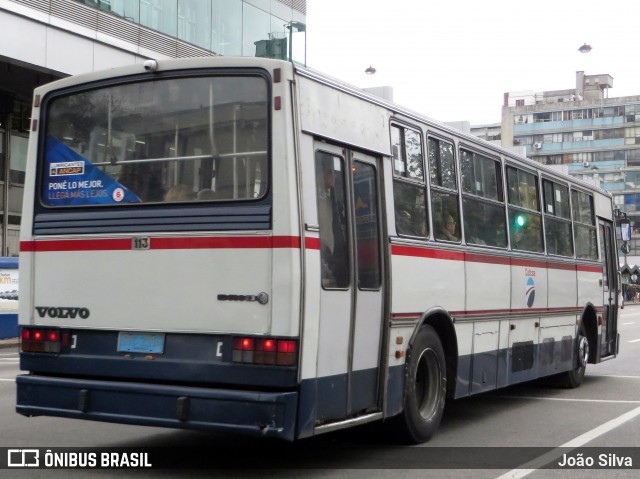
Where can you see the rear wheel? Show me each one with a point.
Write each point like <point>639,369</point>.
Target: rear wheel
<point>425,389</point>
<point>572,379</point>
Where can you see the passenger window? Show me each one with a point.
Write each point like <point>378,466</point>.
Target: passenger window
<point>525,225</point>
<point>411,217</point>
<point>584,225</point>
<point>406,145</point>
<point>557,219</point>
<point>409,188</point>
<point>482,200</point>
<point>442,169</point>
<point>444,190</point>
<point>480,175</point>
<point>445,216</point>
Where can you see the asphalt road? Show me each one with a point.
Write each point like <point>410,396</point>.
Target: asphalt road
<point>604,412</point>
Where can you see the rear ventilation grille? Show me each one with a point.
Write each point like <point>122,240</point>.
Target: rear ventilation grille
<point>138,220</point>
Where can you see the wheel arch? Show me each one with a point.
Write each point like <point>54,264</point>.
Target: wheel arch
<point>589,319</point>
<point>443,324</point>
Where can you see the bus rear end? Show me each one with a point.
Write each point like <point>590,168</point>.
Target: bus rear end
<point>151,225</point>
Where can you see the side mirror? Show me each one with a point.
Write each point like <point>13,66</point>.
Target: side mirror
<point>625,229</point>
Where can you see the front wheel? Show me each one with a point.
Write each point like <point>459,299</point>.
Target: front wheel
<point>425,389</point>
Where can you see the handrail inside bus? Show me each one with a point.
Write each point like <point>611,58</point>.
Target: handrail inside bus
<point>176,158</point>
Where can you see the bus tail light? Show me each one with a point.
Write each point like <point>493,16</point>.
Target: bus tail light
<point>267,351</point>
<point>41,340</point>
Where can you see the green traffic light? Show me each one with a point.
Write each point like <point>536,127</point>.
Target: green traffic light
<point>520,221</point>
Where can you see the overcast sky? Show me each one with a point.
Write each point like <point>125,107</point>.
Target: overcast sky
<point>454,59</point>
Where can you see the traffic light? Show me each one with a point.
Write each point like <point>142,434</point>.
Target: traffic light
<point>521,221</point>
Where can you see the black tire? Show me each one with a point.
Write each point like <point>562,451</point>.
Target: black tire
<point>573,379</point>
<point>424,391</point>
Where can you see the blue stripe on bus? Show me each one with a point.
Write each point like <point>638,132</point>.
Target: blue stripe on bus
<point>278,405</point>
<point>264,413</point>
<point>187,358</point>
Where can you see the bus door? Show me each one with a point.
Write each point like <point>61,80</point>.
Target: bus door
<point>608,339</point>
<point>351,282</point>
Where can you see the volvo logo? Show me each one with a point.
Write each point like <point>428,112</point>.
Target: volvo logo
<point>58,312</point>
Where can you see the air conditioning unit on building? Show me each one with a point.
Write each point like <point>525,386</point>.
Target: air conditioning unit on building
<point>537,146</point>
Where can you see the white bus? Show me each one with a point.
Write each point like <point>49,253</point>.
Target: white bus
<point>240,244</point>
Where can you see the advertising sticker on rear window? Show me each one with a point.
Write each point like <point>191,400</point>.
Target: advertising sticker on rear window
<point>69,179</point>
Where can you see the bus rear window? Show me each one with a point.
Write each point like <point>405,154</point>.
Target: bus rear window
<point>162,141</point>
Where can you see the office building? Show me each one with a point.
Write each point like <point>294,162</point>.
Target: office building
<point>43,40</point>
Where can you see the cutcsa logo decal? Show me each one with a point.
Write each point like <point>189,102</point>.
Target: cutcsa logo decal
<point>530,290</point>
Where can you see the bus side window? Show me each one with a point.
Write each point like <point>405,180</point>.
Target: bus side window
<point>525,225</point>
<point>482,200</point>
<point>557,219</point>
<point>445,216</point>
<point>409,189</point>
<point>444,190</point>
<point>584,224</point>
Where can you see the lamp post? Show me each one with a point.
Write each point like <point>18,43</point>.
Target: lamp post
<point>301,28</point>
<point>585,48</point>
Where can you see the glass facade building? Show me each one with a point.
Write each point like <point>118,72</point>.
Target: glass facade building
<point>107,33</point>
<point>224,27</point>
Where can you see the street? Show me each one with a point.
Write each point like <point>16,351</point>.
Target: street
<point>603,412</point>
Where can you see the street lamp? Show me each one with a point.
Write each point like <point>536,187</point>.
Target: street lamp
<point>301,28</point>
<point>370,70</point>
<point>585,48</point>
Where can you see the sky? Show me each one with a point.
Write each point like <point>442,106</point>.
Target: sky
<point>453,60</point>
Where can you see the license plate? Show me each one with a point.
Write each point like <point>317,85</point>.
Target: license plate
<point>141,342</point>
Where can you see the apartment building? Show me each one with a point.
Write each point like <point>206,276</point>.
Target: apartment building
<point>593,136</point>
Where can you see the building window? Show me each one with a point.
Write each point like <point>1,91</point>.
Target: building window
<point>194,22</point>
<point>160,15</point>
<point>226,27</point>
<point>520,102</point>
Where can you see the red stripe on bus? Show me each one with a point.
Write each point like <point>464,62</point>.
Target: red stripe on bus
<point>420,252</point>
<point>481,312</point>
<point>528,263</point>
<point>484,312</point>
<point>311,243</point>
<point>483,258</point>
<point>75,245</point>
<point>123,244</point>
<point>426,253</point>
<point>589,269</point>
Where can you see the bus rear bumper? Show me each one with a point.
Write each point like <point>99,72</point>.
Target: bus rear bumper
<point>271,414</point>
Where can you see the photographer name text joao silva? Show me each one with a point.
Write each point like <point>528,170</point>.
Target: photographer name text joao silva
<point>65,460</point>
<point>603,460</point>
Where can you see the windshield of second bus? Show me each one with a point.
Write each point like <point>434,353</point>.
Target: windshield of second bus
<point>161,141</point>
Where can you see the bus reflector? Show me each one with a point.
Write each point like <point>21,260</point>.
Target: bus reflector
<point>40,340</point>
<point>267,351</point>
